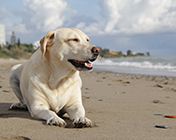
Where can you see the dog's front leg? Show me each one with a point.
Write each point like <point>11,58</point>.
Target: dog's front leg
<point>42,112</point>
<point>76,113</point>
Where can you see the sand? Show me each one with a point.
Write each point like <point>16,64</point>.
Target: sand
<point>122,106</point>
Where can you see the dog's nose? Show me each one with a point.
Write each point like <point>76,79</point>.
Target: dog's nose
<point>95,50</point>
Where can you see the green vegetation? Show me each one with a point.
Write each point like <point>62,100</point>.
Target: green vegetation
<point>16,51</point>
<point>106,53</point>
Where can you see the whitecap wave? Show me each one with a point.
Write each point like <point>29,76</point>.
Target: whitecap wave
<point>142,64</point>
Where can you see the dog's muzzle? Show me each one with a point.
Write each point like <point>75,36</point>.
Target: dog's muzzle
<point>86,65</point>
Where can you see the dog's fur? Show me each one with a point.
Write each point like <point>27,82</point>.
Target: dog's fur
<point>48,84</point>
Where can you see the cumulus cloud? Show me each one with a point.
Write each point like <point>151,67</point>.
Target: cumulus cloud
<point>110,10</point>
<point>136,16</point>
<point>46,14</point>
<point>35,18</point>
<point>112,18</point>
<point>132,17</point>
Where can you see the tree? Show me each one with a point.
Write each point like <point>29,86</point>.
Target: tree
<point>129,52</point>
<point>148,54</point>
<point>120,53</point>
<point>18,43</point>
<point>104,52</point>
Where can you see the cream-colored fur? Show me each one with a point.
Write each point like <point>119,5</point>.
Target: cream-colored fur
<point>48,84</point>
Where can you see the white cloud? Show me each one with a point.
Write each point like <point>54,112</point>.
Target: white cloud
<point>111,11</point>
<point>3,11</point>
<point>135,17</point>
<point>80,25</point>
<point>137,1</point>
<point>35,18</point>
<point>16,27</point>
<point>116,17</point>
<point>46,14</point>
<point>92,29</point>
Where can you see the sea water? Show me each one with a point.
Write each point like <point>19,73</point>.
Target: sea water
<point>162,66</point>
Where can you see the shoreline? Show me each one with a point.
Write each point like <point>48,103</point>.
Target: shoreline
<point>18,61</point>
<point>97,69</point>
<point>156,66</point>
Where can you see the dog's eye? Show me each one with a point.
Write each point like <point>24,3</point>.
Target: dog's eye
<point>87,40</point>
<point>74,39</point>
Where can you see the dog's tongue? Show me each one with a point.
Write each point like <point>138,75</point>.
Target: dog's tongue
<point>88,64</point>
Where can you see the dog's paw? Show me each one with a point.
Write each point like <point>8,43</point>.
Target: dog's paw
<point>82,122</point>
<point>18,106</point>
<point>56,121</point>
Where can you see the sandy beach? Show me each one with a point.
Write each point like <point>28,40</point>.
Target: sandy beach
<point>122,107</point>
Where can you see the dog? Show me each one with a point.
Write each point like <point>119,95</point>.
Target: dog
<point>48,84</point>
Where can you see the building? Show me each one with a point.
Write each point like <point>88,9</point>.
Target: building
<point>13,39</point>
<point>36,45</point>
<point>2,35</point>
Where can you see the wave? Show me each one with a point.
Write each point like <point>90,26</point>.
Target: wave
<point>142,64</point>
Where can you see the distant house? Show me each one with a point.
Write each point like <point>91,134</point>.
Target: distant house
<point>36,44</point>
<point>125,53</point>
<point>134,53</point>
<point>2,35</point>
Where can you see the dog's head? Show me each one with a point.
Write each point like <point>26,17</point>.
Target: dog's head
<point>70,46</point>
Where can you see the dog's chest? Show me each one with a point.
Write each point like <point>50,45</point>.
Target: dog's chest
<point>62,95</point>
<point>58,101</point>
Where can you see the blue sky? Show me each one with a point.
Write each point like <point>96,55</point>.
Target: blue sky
<point>121,25</point>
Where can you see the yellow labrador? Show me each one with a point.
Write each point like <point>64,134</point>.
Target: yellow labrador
<point>48,84</point>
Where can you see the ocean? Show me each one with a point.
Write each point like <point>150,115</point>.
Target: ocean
<point>154,65</point>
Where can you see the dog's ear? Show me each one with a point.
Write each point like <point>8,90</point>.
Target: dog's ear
<point>46,41</point>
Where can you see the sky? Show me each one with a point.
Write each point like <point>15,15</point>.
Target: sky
<point>120,25</point>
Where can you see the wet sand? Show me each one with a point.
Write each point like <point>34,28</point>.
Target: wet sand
<point>122,106</point>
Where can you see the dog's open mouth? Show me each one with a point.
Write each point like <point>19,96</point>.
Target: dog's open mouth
<point>82,65</point>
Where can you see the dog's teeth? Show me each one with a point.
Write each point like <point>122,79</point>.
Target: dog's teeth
<point>88,64</point>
